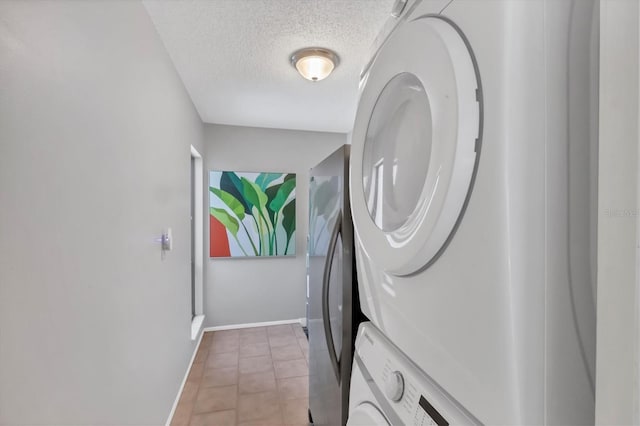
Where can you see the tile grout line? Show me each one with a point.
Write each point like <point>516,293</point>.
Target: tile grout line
<point>275,378</point>
<point>238,384</point>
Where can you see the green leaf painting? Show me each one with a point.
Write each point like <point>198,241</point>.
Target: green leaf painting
<point>289,220</point>
<point>226,219</point>
<point>252,214</point>
<point>264,179</point>
<point>282,195</point>
<point>230,201</point>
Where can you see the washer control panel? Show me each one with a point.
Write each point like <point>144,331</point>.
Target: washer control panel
<point>409,395</point>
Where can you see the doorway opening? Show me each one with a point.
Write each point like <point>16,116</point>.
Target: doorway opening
<point>196,218</point>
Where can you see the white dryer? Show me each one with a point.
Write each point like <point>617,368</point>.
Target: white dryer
<point>473,194</point>
<point>388,389</point>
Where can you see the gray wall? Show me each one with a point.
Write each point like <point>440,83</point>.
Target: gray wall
<point>241,291</point>
<point>95,128</point>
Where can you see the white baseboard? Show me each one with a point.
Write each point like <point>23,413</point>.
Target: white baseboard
<point>184,380</point>
<point>301,321</point>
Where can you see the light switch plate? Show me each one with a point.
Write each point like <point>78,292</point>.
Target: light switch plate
<point>167,240</point>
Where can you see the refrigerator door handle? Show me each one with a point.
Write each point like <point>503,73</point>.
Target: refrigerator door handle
<point>337,229</point>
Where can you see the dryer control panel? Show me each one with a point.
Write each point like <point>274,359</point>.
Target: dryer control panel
<point>404,393</point>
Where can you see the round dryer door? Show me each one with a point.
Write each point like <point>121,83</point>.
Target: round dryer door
<point>415,144</point>
<point>366,414</point>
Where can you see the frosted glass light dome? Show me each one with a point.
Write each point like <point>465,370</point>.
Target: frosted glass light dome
<point>314,64</point>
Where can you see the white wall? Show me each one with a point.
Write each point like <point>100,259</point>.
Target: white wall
<point>617,373</point>
<point>95,129</point>
<point>241,291</point>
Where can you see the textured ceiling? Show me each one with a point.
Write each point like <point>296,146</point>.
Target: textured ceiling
<point>233,57</point>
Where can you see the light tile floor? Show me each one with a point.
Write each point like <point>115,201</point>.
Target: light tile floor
<point>251,376</point>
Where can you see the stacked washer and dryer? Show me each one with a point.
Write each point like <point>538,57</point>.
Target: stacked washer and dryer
<point>473,193</point>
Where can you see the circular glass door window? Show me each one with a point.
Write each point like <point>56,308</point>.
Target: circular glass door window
<point>396,152</point>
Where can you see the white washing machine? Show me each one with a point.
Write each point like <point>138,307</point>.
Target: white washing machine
<point>388,389</point>
<point>473,194</point>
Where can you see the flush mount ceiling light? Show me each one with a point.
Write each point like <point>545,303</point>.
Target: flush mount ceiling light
<point>314,63</point>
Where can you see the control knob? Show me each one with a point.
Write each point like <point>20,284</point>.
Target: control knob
<point>394,386</point>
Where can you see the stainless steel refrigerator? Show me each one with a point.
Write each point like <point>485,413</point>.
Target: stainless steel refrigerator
<point>333,308</point>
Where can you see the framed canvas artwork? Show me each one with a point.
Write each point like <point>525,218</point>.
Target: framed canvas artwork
<point>252,214</point>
